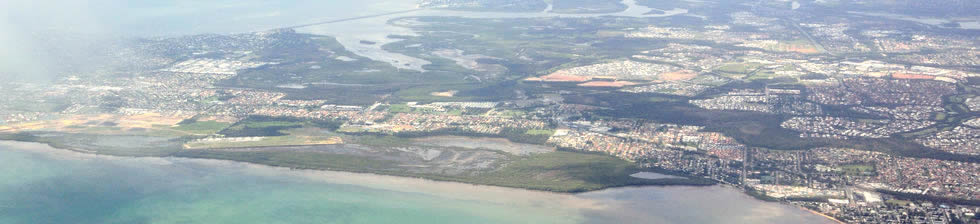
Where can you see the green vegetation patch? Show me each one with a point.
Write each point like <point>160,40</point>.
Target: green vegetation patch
<point>858,169</point>
<point>269,124</point>
<point>565,171</point>
<point>896,202</point>
<point>659,99</point>
<point>274,126</point>
<point>762,75</point>
<point>301,160</point>
<point>202,127</point>
<point>547,132</point>
<point>555,171</point>
<point>531,136</point>
<point>423,93</point>
<point>736,68</point>
<point>399,108</point>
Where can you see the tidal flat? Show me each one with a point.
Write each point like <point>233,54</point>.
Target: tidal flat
<point>40,184</point>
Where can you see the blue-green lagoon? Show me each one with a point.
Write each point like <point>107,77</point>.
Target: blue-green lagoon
<point>39,184</point>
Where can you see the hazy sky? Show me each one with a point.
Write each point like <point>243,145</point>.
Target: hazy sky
<point>34,33</point>
<point>42,39</point>
<point>47,38</point>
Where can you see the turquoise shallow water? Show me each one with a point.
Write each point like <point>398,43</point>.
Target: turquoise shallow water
<point>39,184</point>
<point>36,187</point>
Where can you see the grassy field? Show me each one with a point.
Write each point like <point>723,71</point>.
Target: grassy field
<point>762,75</point>
<point>274,126</point>
<point>547,132</point>
<point>738,68</point>
<point>858,169</point>
<point>424,93</point>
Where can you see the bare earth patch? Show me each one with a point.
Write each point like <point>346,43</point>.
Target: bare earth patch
<point>607,84</point>
<point>911,76</point>
<point>449,93</point>
<point>122,122</point>
<point>562,76</point>
<point>678,75</point>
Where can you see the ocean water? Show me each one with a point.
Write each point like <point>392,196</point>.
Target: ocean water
<point>39,184</point>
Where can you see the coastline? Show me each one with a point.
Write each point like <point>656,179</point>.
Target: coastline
<point>420,183</point>
<point>77,154</point>
<point>760,198</point>
<point>823,215</point>
<point>313,173</point>
<point>430,177</point>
